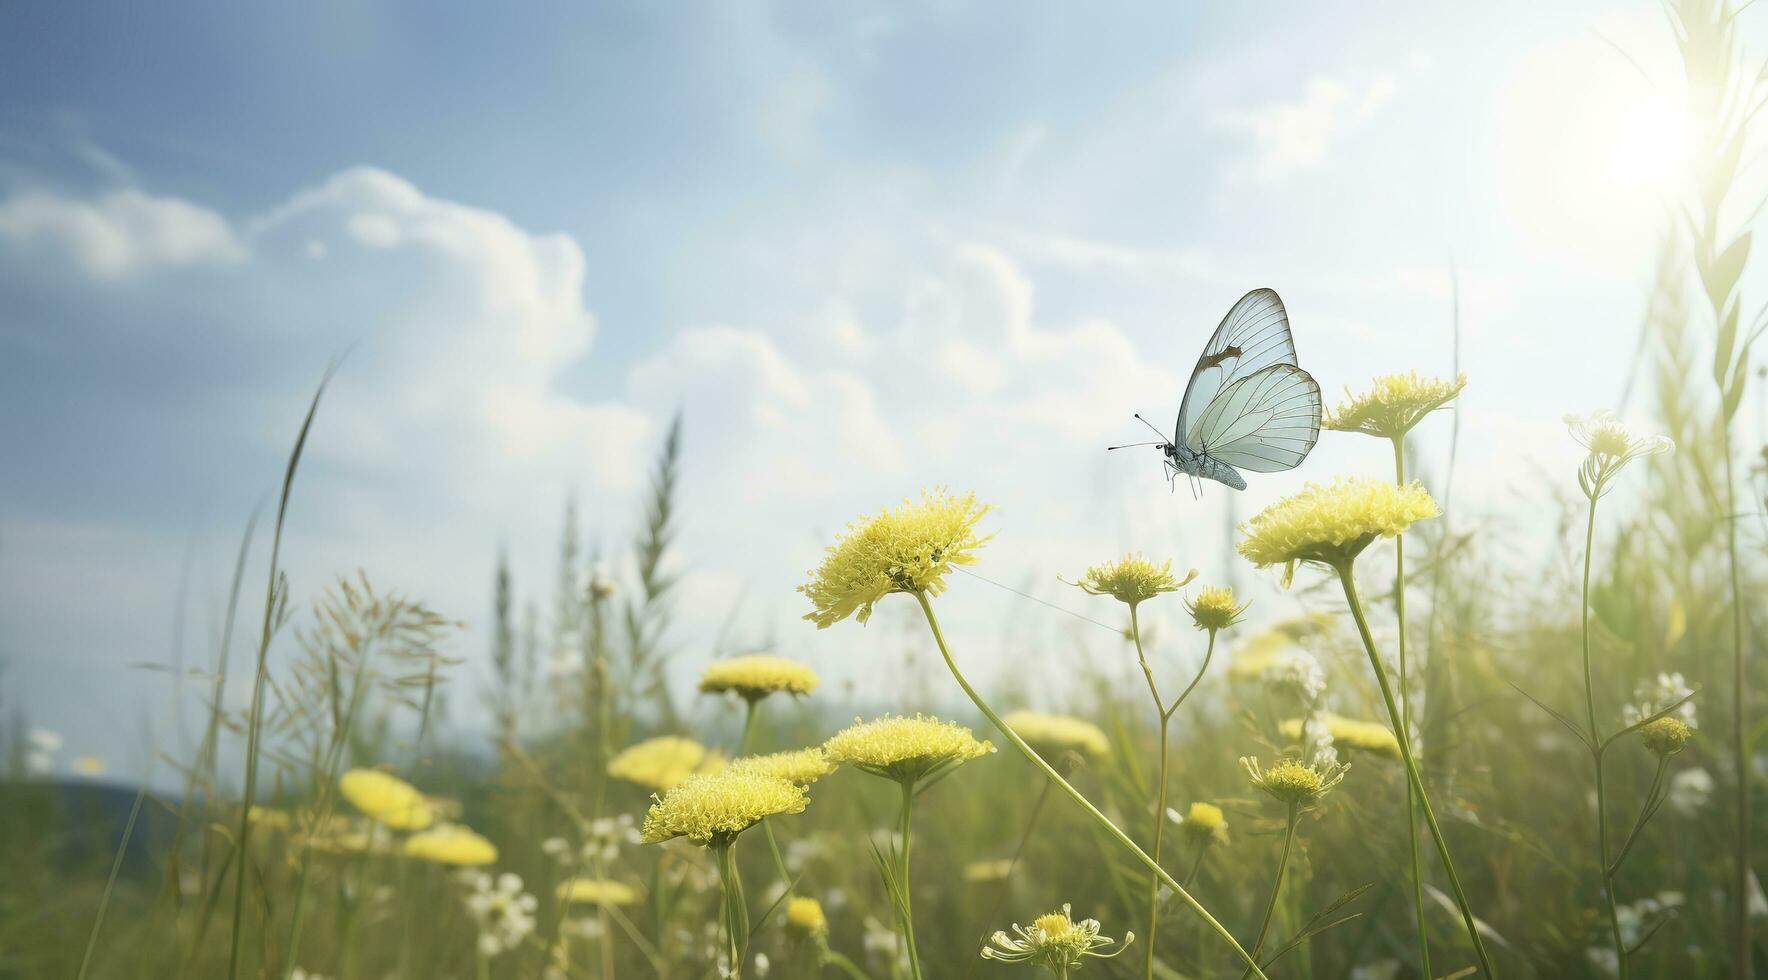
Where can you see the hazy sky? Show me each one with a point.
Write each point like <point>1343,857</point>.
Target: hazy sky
<point>865,248</point>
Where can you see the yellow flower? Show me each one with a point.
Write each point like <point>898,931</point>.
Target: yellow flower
<point>1393,404</point>
<point>386,799</point>
<point>1132,579</point>
<point>1348,733</point>
<point>1612,445</point>
<point>1290,782</point>
<point>451,844</point>
<point>1055,942</point>
<point>804,916</point>
<point>1666,736</point>
<point>907,549</point>
<point>89,765</point>
<point>1214,608</point>
<point>801,766</point>
<point>1052,735</point>
<point>269,818</point>
<point>904,749</point>
<point>993,869</point>
<point>755,676</point>
<point>596,891</point>
<point>1204,821</point>
<point>1331,525</point>
<point>715,808</point>
<point>664,761</point>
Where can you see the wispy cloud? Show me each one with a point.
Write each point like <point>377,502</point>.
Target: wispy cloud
<point>1295,135</point>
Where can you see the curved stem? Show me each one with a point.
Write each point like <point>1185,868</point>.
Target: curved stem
<point>779,860</point>
<point>1404,737</point>
<point>1075,795</point>
<point>908,915</point>
<point>1406,719</point>
<point>1264,925</point>
<point>1159,794</point>
<point>1608,887</point>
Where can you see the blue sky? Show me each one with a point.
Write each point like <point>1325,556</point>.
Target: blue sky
<point>864,248</point>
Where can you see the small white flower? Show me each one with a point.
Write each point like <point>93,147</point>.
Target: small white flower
<point>1690,789</point>
<point>502,910</point>
<point>1654,697</point>
<point>44,740</point>
<point>1297,672</point>
<point>1605,961</point>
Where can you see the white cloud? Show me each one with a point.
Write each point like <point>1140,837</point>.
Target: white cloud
<point>121,234</point>
<point>1295,136</point>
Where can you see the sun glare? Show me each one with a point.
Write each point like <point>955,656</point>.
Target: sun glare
<point>1650,149</point>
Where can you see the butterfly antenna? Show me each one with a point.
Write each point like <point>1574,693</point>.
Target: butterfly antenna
<point>1133,445</point>
<point>1150,425</point>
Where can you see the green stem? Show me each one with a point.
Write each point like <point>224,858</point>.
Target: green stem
<point>748,725</point>
<point>908,915</point>
<point>779,861</point>
<point>1197,862</point>
<point>1406,719</point>
<point>1404,737</point>
<point>1092,811</point>
<point>1159,793</point>
<point>734,914</point>
<point>1264,925</point>
<point>994,911</point>
<point>1608,887</point>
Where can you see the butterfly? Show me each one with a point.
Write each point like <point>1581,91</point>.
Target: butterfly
<point>1249,404</point>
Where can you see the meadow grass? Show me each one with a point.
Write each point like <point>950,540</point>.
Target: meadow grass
<point>1576,736</point>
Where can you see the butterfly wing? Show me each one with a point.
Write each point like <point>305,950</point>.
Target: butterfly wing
<point>1264,422</point>
<point>1253,336</point>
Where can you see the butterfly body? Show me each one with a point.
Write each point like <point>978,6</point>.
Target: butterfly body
<point>1248,404</point>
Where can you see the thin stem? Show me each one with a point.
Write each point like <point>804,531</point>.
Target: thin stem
<point>748,725</point>
<point>908,915</point>
<point>1405,739</point>
<point>733,914</point>
<point>1197,862</point>
<point>1406,719</point>
<point>1092,811</point>
<point>1645,811</point>
<point>110,883</point>
<point>1608,887</point>
<point>779,861</point>
<point>1264,925</point>
<point>1159,791</point>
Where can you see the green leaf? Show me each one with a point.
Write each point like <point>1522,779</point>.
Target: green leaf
<point>1721,274</point>
<point>1724,341</point>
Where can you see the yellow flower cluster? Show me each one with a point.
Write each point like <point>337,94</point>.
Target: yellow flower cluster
<point>1291,782</point>
<point>1332,524</point>
<point>596,891</point>
<point>386,799</point>
<point>800,766</point>
<point>1666,736</point>
<point>992,869</point>
<point>1214,608</point>
<point>664,761</point>
<point>714,808</point>
<point>451,844</point>
<point>804,916</point>
<point>1393,404</point>
<point>904,749</point>
<point>1206,821</point>
<point>1256,653</point>
<point>907,549</point>
<point>1349,733</point>
<point>757,675</point>
<point>1052,735</point>
<point>1132,579</point>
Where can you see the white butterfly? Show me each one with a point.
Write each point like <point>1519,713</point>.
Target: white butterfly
<point>1249,404</point>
